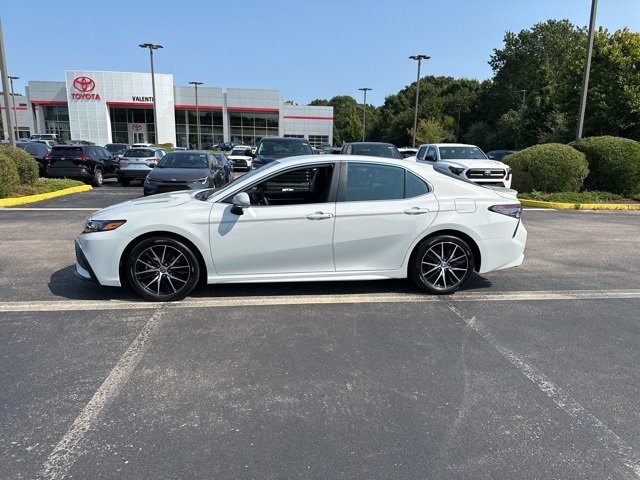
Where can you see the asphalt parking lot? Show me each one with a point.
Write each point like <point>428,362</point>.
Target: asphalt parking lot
<point>528,373</point>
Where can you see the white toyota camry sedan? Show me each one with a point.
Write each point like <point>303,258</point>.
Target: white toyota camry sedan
<point>308,219</point>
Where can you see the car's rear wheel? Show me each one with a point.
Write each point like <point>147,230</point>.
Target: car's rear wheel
<point>442,265</point>
<point>162,269</point>
<point>97,179</point>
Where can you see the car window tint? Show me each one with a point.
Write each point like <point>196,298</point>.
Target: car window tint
<point>415,186</point>
<point>368,182</point>
<point>139,153</point>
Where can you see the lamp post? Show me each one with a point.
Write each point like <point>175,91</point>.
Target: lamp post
<point>587,68</point>
<point>364,110</point>
<point>419,58</point>
<point>195,84</point>
<point>152,47</point>
<point>13,102</point>
<point>524,99</point>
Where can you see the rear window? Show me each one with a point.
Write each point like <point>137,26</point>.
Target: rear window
<point>116,148</point>
<point>139,153</point>
<point>66,151</point>
<point>284,148</point>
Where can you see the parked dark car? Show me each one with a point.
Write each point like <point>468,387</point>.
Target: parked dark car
<point>229,173</point>
<point>274,148</point>
<point>372,149</point>
<point>88,163</point>
<point>38,151</point>
<point>499,154</point>
<point>192,169</point>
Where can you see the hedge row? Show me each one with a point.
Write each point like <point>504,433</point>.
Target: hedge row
<point>610,164</point>
<point>16,167</point>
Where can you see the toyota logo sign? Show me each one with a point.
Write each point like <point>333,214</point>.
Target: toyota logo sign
<point>84,85</point>
<point>136,127</point>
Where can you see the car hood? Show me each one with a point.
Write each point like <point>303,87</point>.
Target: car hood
<point>178,174</point>
<point>143,204</point>
<point>473,163</point>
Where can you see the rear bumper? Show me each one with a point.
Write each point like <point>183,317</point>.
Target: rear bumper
<point>69,172</point>
<point>133,174</point>
<point>499,253</point>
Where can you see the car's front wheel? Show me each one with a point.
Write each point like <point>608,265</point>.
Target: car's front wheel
<point>442,265</point>
<point>162,269</point>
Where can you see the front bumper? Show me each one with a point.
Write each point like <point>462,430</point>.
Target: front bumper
<point>98,256</point>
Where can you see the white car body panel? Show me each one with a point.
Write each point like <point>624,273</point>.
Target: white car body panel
<point>278,243</point>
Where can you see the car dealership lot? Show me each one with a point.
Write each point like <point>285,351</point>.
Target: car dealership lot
<point>526,373</point>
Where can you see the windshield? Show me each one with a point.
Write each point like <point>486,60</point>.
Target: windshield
<point>116,148</point>
<point>139,153</point>
<point>239,151</point>
<point>184,160</point>
<point>376,150</point>
<point>461,153</point>
<point>284,148</point>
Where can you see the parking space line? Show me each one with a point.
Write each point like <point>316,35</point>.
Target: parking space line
<point>608,439</point>
<point>248,301</point>
<point>70,447</point>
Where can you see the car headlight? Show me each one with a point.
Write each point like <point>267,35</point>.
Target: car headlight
<point>456,170</point>
<point>102,225</point>
<point>202,180</point>
<point>508,175</point>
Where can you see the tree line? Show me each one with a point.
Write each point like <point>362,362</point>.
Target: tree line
<point>532,98</point>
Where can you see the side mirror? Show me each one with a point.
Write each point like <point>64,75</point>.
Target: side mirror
<point>240,202</point>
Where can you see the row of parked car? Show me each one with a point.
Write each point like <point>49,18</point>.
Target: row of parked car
<point>467,161</point>
<point>201,169</point>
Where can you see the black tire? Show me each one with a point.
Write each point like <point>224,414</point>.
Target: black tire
<point>98,178</point>
<point>124,182</point>
<point>442,265</point>
<point>162,269</point>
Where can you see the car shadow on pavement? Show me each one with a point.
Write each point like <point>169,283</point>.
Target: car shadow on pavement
<point>64,283</point>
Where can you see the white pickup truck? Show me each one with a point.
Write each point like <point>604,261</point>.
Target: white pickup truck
<point>467,161</point>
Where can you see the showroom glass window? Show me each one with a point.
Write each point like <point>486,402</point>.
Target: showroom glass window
<point>371,182</point>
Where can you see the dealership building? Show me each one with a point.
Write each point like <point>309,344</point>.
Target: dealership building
<point>117,107</point>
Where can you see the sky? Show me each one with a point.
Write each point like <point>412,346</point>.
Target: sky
<point>306,50</point>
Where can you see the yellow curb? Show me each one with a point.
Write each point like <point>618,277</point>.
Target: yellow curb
<point>12,202</point>
<point>580,206</point>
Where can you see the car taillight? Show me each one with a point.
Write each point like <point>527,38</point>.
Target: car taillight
<point>47,158</point>
<point>153,161</point>
<point>514,211</point>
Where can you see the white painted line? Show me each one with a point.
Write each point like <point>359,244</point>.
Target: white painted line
<point>610,442</point>
<point>70,447</point>
<point>242,301</point>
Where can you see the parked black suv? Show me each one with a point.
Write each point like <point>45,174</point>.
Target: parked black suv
<point>274,148</point>
<point>88,163</point>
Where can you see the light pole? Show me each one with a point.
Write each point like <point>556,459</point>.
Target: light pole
<point>419,58</point>
<point>587,68</point>
<point>195,84</point>
<point>13,102</point>
<point>364,110</point>
<point>524,99</point>
<point>152,47</point>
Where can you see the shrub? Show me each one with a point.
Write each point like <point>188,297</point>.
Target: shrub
<point>9,178</point>
<point>552,167</point>
<point>25,164</point>
<point>614,164</point>
<point>167,146</point>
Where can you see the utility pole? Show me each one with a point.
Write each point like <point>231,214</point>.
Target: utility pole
<point>152,47</point>
<point>5,89</point>
<point>195,84</point>
<point>587,69</point>
<point>13,101</point>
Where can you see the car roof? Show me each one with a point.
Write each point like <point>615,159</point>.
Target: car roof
<point>450,145</point>
<point>286,139</point>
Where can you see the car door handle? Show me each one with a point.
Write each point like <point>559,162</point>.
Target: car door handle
<point>416,211</point>
<point>319,216</point>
